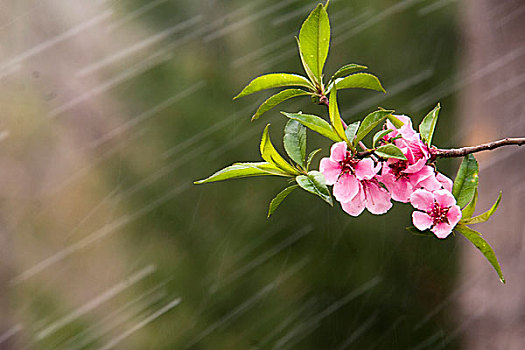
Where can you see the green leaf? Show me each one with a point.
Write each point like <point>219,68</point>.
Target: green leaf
<point>307,69</point>
<point>396,122</point>
<point>239,170</point>
<point>347,69</point>
<point>370,122</point>
<point>274,204</point>
<point>351,130</point>
<point>311,157</point>
<point>315,183</point>
<point>294,141</point>
<point>379,135</point>
<point>276,99</point>
<point>274,80</point>
<point>359,80</point>
<point>390,151</point>
<point>427,126</point>
<point>466,181</point>
<point>476,239</point>
<point>335,116</point>
<point>485,216</point>
<point>316,124</point>
<point>270,154</point>
<point>468,211</point>
<point>314,39</point>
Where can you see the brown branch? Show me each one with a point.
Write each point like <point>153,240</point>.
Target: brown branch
<point>443,153</point>
<point>361,155</point>
<point>463,151</point>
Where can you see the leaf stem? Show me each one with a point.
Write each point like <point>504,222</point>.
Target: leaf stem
<point>366,152</point>
<point>463,151</point>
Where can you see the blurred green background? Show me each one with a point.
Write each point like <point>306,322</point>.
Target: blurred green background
<point>113,108</point>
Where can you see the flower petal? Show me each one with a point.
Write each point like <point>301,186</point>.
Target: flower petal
<point>426,178</point>
<point>445,181</point>
<point>346,188</point>
<point>418,147</point>
<point>401,190</point>
<point>406,130</point>
<point>454,215</point>
<point>356,205</point>
<point>417,166</point>
<point>338,151</point>
<point>442,230</point>
<point>421,220</point>
<point>377,198</point>
<point>330,169</point>
<point>444,198</point>
<point>430,183</point>
<point>364,170</point>
<point>422,200</point>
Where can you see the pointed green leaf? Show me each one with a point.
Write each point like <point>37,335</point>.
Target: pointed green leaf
<point>351,130</point>
<point>314,39</point>
<point>379,135</point>
<point>476,239</point>
<point>369,123</point>
<point>427,126</point>
<point>274,80</point>
<point>270,154</point>
<point>311,157</point>
<point>390,151</point>
<point>315,183</point>
<point>466,181</point>
<point>485,216</point>
<point>274,204</point>
<point>294,141</point>
<point>316,124</point>
<point>468,211</point>
<point>359,80</point>
<point>347,69</point>
<point>239,170</point>
<point>276,99</point>
<point>335,116</point>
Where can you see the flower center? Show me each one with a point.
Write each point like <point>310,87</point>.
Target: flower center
<point>398,168</point>
<point>438,214</point>
<point>348,164</point>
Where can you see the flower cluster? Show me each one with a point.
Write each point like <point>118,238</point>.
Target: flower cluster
<point>373,183</point>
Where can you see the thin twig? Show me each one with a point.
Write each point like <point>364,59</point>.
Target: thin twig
<point>463,151</point>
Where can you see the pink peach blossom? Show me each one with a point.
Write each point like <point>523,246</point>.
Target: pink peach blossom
<point>344,171</point>
<point>354,180</point>
<point>439,211</point>
<point>403,177</point>
<point>414,148</point>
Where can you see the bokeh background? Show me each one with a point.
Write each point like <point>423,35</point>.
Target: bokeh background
<point>110,109</point>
